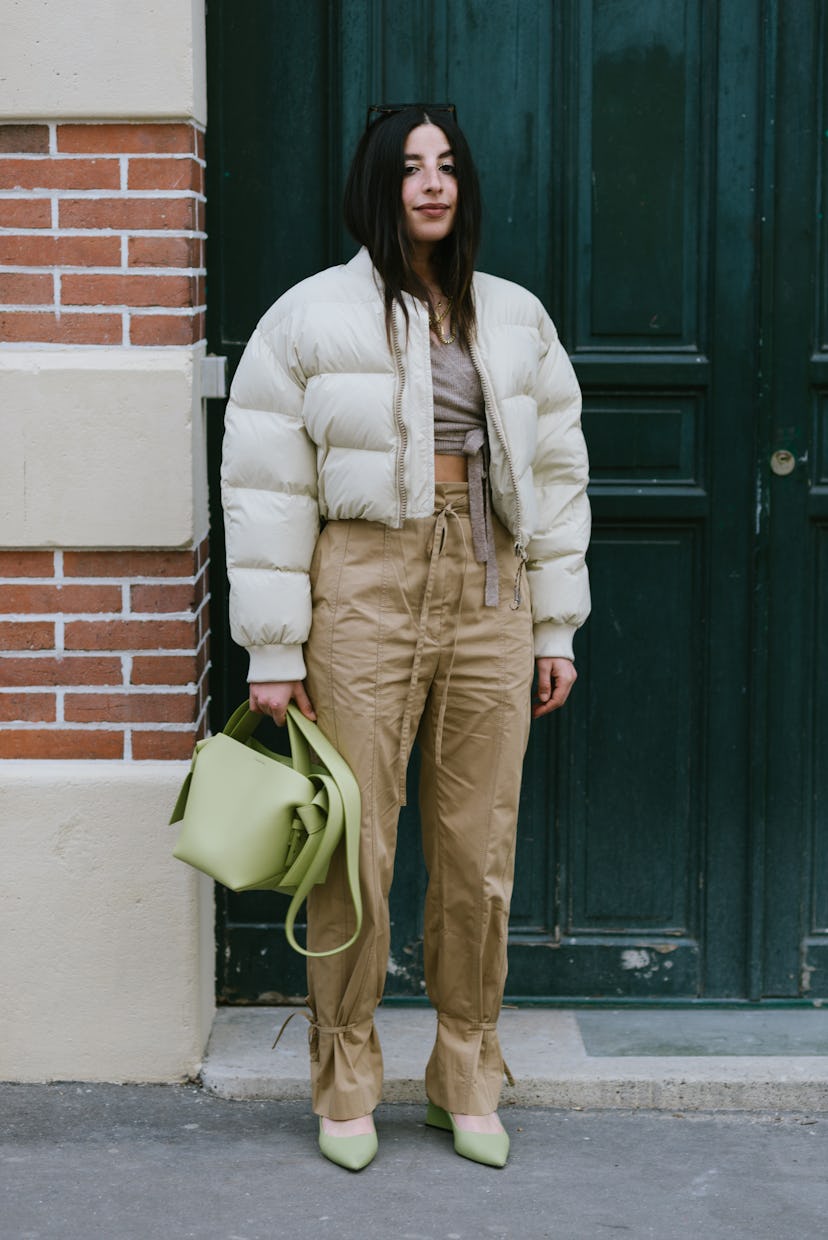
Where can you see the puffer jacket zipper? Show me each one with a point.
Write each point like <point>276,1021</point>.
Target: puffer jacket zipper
<point>398,418</point>
<point>491,406</point>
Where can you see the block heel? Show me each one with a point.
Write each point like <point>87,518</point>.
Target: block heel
<point>489,1148</point>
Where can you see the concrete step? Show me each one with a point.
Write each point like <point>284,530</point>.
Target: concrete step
<point>699,1059</point>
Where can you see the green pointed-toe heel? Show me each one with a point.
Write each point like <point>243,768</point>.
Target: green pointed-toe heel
<point>352,1153</point>
<point>489,1148</point>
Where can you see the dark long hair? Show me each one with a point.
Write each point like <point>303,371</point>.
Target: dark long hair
<point>374,214</point>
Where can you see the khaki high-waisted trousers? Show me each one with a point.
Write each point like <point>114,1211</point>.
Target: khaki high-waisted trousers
<point>402,645</point>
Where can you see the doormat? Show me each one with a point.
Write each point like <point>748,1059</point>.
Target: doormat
<point>611,1032</point>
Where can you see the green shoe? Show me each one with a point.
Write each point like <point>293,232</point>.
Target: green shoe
<point>489,1148</point>
<point>352,1153</point>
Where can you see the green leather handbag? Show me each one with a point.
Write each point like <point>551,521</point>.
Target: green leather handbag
<point>256,820</point>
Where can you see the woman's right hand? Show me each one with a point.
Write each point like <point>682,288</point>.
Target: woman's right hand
<point>272,697</point>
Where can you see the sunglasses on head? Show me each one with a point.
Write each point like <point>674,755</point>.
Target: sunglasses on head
<point>377,111</point>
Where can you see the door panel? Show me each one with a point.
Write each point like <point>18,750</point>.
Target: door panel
<point>638,314</point>
<point>792,940</point>
<point>655,172</point>
<point>636,802</point>
<point>641,181</point>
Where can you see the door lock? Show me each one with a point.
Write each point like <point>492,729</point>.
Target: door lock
<point>783,462</point>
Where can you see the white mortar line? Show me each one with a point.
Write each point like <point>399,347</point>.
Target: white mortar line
<point>56,156</point>
<point>44,307</point>
<point>100,581</point>
<point>36,307</point>
<point>94,195</point>
<point>54,231</point>
<point>143,617</point>
<point>75,654</point>
<point>128,744</point>
<point>189,689</point>
<point>53,138</point>
<point>114,270</point>
<point>60,715</point>
<point>180,312</point>
<point>29,725</point>
<point>60,634</point>
<point>58,566</point>
<point>153,652</point>
<point>47,346</point>
<point>98,308</point>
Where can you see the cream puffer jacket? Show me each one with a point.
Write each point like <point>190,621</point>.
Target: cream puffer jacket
<point>325,420</point>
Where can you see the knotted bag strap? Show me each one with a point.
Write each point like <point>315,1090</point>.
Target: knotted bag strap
<point>344,810</point>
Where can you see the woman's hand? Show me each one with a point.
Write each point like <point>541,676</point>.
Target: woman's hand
<point>272,697</point>
<point>555,679</point>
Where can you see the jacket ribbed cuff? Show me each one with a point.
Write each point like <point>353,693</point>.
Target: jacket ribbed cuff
<point>554,641</point>
<point>270,663</point>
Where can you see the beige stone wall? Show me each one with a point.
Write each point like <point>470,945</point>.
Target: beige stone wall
<point>102,448</point>
<point>96,59</point>
<point>106,942</point>
<point>106,947</point>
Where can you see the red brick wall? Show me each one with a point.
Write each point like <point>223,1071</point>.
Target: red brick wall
<point>102,234</point>
<point>103,654</point>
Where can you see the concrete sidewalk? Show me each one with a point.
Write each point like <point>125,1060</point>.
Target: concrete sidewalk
<point>110,1162</point>
<point>757,1059</point>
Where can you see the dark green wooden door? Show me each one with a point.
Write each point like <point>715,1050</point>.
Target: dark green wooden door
<point>655,171</point>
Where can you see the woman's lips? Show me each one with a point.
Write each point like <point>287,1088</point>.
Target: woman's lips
<point>431,208</point>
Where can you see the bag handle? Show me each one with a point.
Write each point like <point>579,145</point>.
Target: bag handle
<point>344,809</point>
<point>344,804</point>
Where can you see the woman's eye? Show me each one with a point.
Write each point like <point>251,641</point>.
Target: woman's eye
<point>449,169</point>
<point>410,169</point>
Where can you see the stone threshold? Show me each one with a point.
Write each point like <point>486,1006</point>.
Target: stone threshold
<point>570,1058</point>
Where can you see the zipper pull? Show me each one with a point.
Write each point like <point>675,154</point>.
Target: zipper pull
<point>519,550</point>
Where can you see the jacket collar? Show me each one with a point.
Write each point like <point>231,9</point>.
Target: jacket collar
<point>361,263</point>
<point>362,267</point>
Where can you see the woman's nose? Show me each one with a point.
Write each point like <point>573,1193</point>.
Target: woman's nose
<point>432,178</point>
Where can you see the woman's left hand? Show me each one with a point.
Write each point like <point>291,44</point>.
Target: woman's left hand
<point>555,679</point>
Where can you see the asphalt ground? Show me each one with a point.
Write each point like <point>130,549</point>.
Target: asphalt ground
<point>88,1162</point>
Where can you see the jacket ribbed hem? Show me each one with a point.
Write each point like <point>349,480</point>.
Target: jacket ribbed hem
<point>270,663</point>
<point>554,641</point>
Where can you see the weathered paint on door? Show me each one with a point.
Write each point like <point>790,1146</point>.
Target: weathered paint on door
<point>656,172</point>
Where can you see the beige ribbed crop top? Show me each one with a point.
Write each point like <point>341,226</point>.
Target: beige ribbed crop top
<point>458,397</point>
<point>460,430</point>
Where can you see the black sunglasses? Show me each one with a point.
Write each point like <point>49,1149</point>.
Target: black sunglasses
<point>378,110</point>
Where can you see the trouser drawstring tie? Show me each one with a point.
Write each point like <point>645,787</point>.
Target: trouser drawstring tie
<point>438,542</point>
<point>476,451</point>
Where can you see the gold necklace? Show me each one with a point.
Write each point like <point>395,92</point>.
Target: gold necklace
<point>436,319</point>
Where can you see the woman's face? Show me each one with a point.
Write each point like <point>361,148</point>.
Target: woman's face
<point>429,188</point>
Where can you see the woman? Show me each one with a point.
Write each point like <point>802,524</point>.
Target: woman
<point>431,417</point>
